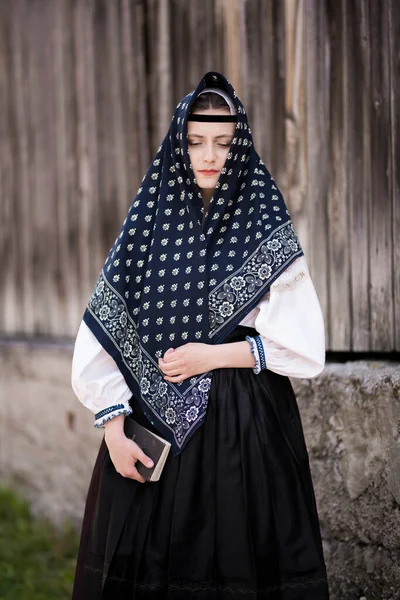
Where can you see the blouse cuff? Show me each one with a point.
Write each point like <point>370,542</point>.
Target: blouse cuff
<point>257,350</point>
<point>109,413</point>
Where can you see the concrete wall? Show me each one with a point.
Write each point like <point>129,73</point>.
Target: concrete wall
<point>351,417</point>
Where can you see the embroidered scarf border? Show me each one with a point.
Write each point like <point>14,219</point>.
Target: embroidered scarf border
<point>229,302</point>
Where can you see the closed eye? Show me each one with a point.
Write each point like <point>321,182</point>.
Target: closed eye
<point>221,144</point>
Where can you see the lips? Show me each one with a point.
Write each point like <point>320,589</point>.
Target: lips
<point>209,172</point>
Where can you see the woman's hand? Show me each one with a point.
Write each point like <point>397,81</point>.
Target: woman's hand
<point>188,360</point>
<point>124,452</point>
<point>196,358</point>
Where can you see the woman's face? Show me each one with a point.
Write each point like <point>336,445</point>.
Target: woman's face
<point>208,145</point>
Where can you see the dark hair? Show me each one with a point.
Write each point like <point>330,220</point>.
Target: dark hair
<point>209,100</point>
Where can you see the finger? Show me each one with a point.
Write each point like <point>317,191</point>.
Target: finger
<point>169,354</point>
<point>176,379</point>
<point>144,459</point>
<point>171,358</point>
<point>137,476</point>
<point>172,372</point>
<point>132,473</point>
<point>175,355</point>
<point>170,364</point>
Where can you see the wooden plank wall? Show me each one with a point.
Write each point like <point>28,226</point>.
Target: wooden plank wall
<point>87,91</point>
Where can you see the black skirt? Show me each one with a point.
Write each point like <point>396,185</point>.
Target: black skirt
<point>233,516</point>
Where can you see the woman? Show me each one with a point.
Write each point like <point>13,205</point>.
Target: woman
<point>203,308</point>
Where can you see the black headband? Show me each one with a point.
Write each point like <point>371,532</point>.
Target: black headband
<point>213,118</point>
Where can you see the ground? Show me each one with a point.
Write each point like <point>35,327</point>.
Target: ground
<point>37,561</point>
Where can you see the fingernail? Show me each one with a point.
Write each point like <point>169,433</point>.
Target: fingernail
<point>150,463</point>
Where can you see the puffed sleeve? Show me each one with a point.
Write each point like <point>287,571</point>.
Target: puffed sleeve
<point>96,379</point>
<point>290,324</point>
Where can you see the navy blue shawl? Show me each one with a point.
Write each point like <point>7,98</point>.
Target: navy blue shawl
<point>169,280</point>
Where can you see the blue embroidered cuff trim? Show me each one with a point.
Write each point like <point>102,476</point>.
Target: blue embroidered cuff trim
<point>109,413</point>
<point>108,410</point>
<point>254,351</point>
<point>261,353</point>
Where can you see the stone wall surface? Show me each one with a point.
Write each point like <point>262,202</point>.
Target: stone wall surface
<point>351,418</point>
<point>48,442</point>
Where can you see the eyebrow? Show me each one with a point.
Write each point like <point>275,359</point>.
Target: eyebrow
<point>217,137</point>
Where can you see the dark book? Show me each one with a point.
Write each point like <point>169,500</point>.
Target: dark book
<point>154,446</point>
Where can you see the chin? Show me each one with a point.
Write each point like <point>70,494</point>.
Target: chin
<point>207,183</point>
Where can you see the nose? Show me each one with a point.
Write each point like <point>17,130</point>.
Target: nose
<point>209,156</point>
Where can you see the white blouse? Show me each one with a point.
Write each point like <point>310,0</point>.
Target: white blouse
<point>291,341</point>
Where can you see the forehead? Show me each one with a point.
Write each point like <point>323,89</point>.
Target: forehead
<point>210,129</point>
